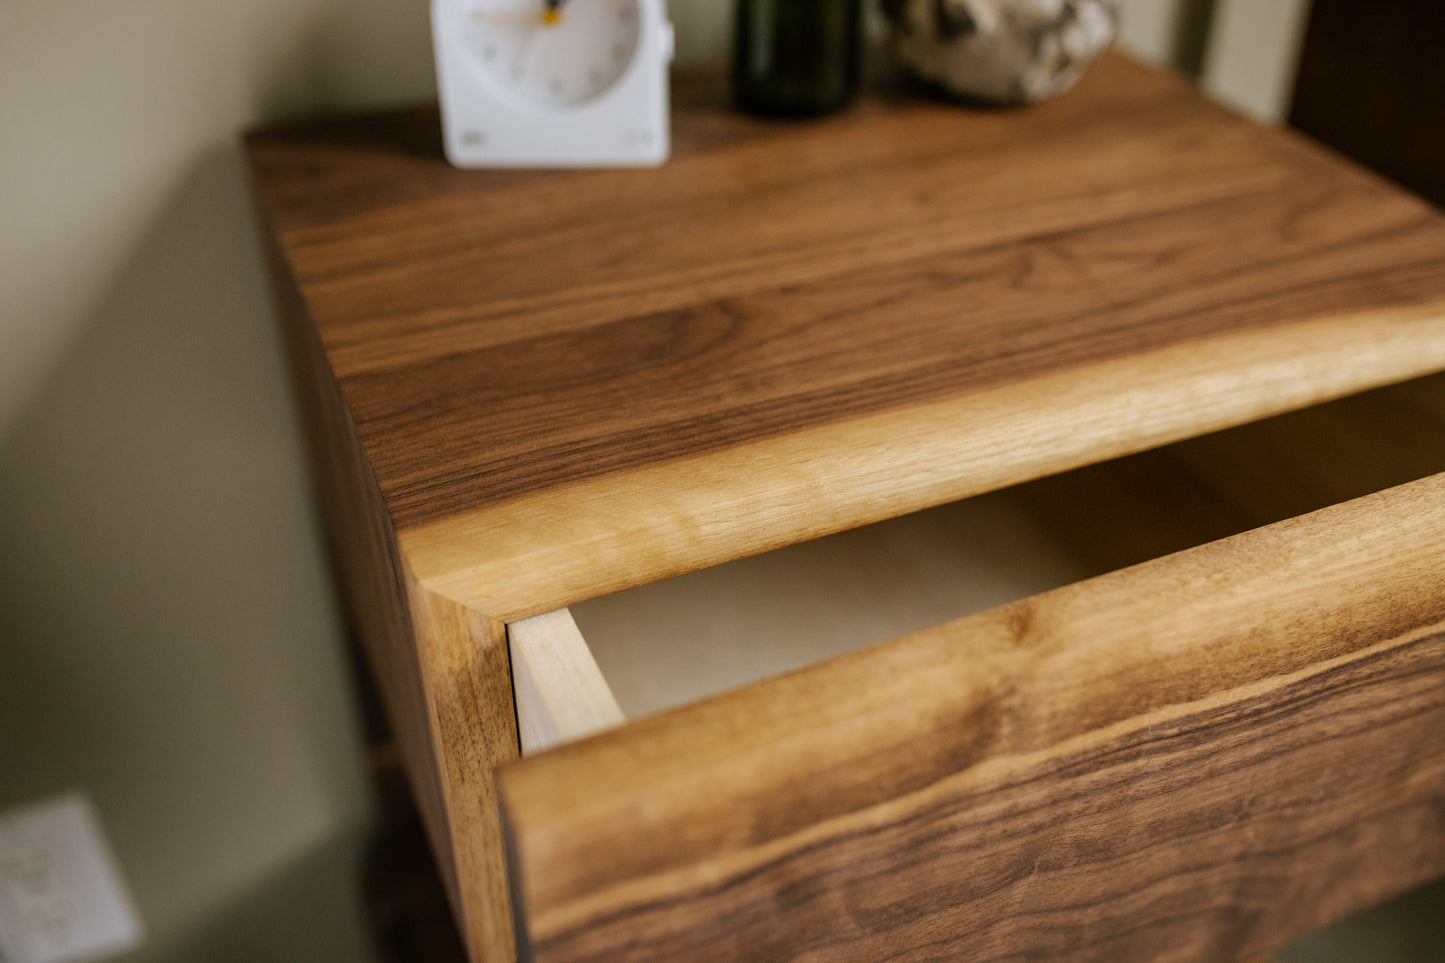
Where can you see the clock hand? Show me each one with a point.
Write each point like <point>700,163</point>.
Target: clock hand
<point>510,18</point>
<point>551,15</point>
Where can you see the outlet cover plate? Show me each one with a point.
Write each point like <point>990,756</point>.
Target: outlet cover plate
<point>62,899</point>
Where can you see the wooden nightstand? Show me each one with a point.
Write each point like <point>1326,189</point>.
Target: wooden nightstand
<point>533,389</point>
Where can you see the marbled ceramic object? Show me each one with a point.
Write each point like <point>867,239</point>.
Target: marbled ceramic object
<point>1000,51</point>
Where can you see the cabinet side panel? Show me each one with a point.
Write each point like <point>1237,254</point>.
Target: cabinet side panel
<point>1197,758</point>
<point>470,711</point>
<point>430,665</point>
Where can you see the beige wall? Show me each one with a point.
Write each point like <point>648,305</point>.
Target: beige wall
<point>1254,50</point>
<point>1150,28</point>
<point>167,637</point>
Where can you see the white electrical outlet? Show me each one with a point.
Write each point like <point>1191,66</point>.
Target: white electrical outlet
<point>62,899</point>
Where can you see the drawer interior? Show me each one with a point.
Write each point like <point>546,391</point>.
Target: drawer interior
<point>650,648</point>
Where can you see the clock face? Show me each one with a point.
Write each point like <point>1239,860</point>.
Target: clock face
<point>556,54</point>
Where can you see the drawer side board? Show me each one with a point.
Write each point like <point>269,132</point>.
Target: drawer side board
<point>1196,758</point>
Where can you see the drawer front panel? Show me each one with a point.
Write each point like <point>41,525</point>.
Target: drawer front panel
<point>1198,757</point>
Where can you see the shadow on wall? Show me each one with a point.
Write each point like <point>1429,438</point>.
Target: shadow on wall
<point>290,916</point>
<point>169,641</point>
<point>352,55</point>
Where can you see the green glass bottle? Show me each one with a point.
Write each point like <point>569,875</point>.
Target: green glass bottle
<point>796,57</point>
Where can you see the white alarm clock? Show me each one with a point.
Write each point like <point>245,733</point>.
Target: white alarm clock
<point>562,83</point>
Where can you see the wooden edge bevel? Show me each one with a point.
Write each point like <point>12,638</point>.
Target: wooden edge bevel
<point>1200,757</point>
<point>560,692</point>
<point>598,536</point>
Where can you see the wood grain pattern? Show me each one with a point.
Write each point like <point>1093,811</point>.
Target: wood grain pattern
<point>469,711</point>
<point>672,642</point>
<point>560,693</point>
<point>1196,758</point>
<point>501,334</point>
<point>538,386</point>
<point>556,546</point>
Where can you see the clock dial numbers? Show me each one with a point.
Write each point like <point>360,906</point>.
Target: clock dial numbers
<point>553,53</point>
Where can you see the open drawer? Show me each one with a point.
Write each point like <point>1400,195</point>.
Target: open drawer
<point>1197,757</point>
<point>529,390</point>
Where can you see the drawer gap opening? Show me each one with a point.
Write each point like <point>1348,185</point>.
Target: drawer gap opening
<point>647,649</point>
